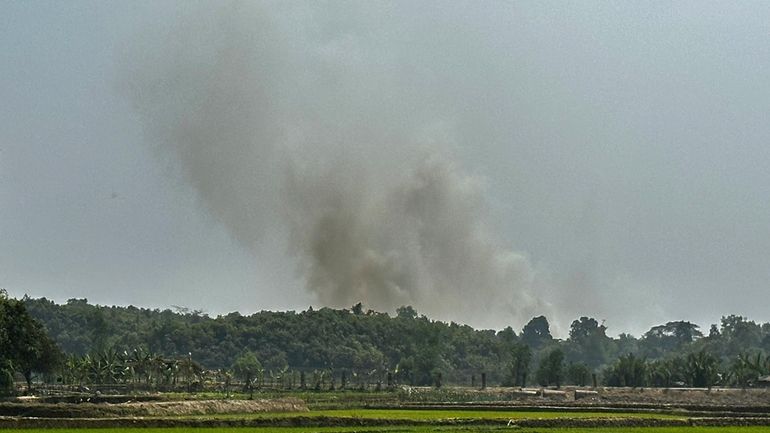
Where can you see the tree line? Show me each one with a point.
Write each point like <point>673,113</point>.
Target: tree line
<point>325,348</point>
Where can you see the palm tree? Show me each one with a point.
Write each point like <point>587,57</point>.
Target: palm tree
<point>663,372</point>
<point>747,368</point>
<point>702,369</point>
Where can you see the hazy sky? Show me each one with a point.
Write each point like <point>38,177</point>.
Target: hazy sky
<point>620,149</point>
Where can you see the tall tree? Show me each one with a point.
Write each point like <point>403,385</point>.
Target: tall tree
<point>247,368</point>
<point>521,355</point>
<point>578,374</point>
<point>672,337</point>
<point>551,369</point>
<point>588,342</point>
<point>28,348</point>
<point>537,332</point>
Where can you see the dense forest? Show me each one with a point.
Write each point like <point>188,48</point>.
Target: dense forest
<point>410,348</point>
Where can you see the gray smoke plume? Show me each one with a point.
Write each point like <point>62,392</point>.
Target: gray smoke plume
<point>314,122</point>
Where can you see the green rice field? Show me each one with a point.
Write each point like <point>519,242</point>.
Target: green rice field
<point>420,429</point>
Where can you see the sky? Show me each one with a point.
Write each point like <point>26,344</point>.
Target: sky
<point>483,161</point>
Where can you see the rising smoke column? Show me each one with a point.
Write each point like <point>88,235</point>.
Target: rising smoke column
<point>309,122</point>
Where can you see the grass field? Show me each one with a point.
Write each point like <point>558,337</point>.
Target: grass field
<point>348,412</point>
<point>421,429</point>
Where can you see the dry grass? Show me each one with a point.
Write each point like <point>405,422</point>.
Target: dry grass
<point>210,407</point>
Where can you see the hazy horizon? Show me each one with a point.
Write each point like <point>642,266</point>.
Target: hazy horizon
<point>482,162</point>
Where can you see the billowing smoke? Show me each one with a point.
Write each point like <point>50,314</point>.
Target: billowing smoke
<point>317,123</point>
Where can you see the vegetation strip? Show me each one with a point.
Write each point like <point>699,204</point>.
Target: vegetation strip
<point>324,421</point>
<point>577,407</point>
<point>369,350</point>
<point>418,429</point>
